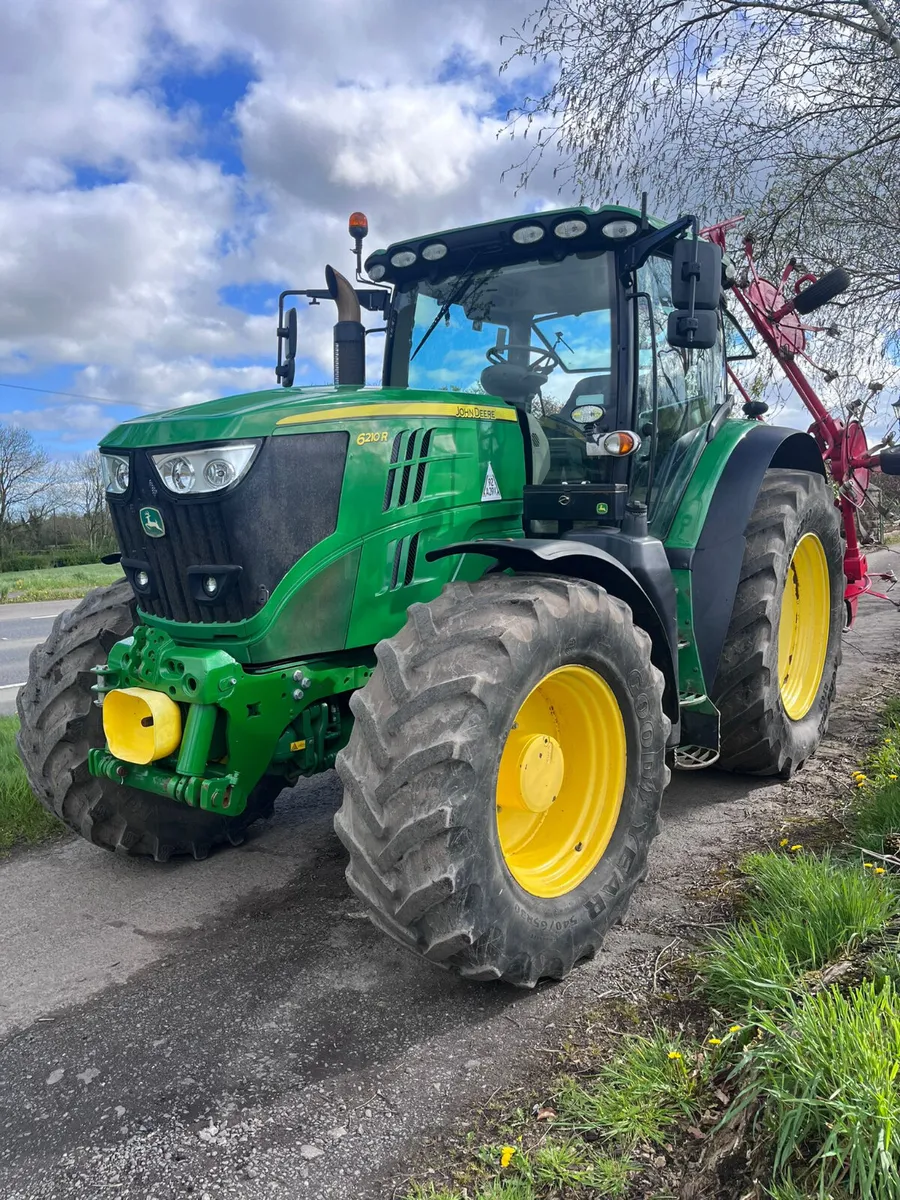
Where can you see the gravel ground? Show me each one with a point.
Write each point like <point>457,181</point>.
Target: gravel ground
<point>237,1028</point>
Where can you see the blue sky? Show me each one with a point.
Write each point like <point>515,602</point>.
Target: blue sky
<point>167,167</point>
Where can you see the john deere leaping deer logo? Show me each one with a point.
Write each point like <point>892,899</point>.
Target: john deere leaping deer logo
<point>152,523</point>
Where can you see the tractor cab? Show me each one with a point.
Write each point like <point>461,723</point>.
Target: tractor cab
<point>601,329</point>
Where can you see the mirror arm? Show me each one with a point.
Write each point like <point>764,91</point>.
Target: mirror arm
<point>635,255</point>
<point>693,269</point>
<point>372,299</point>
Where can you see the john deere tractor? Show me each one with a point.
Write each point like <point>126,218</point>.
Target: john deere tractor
<point>501,593</point>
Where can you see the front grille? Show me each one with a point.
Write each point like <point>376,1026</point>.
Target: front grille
<point>286,504</point>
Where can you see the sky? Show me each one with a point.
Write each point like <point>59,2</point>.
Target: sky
<point>168,166</point>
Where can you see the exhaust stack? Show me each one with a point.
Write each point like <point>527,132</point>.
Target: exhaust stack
<point>349,332</point>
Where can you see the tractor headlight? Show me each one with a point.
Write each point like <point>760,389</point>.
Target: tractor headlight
<point>205,469</point>
<point>116,473</point>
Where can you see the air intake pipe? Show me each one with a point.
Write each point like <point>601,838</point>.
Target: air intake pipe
<point>349,332</point>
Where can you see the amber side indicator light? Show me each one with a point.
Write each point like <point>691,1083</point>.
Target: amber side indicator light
<point>621,442</point>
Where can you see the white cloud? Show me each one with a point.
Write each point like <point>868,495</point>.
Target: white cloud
<point>70,423</point>
<point>391,108</point>
<point>68,75</point>
<point>177,382</point>
<point>98,275</point>
<point>404,141</point>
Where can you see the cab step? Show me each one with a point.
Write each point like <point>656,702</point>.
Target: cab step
<point>695,758</point>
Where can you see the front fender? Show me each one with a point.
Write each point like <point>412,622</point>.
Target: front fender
<point>579,560</point>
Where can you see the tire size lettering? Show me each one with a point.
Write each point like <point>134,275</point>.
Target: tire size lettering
<point>545,923</point>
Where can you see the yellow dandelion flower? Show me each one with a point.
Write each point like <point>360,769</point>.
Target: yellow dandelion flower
<point>892,776</point>
<point>674,1054</point>
<point>783,842</point>
<point>860,783</point>
<point>798,846</point>
<point>867,865</point>
<point>715,1041</point>
<point>879,870</point>
<point>735,1029</point>
<point>506,1155</point>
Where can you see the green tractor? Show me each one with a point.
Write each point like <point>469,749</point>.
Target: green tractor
<point>502,593</point>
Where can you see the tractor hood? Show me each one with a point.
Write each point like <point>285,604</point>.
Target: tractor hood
<point>253,415</point>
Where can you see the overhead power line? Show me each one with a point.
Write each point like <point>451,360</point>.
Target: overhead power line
<point>21,387</point>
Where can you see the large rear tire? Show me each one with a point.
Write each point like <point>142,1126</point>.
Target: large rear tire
<point>504,776</point>
<point>60,723</point>
<point>776,677</point>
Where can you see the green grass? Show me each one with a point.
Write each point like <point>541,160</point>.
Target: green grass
<point>875,815</point>
<point>800,913</point>
<point>567,1165</point>
<point>515,1188</point>
<point>560,1167</point>
<point>56,583</point>
<point>652,1084</point>
<point>826,1070</point>
<point>22,819</point>
<point>876,822</point>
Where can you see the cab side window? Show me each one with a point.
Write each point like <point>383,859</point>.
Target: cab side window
<point>690,383</point>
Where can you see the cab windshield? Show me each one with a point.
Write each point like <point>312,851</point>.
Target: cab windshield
<point>537,334</point>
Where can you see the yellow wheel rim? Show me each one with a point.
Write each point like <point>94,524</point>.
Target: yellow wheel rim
<point>804,626</point>
<point>561,781</point>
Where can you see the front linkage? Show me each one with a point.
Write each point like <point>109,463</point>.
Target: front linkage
<point>291,720</point>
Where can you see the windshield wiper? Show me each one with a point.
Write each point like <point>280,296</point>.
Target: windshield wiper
<point>462,283</point>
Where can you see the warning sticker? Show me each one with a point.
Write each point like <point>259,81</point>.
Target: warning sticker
<point>491,489</point>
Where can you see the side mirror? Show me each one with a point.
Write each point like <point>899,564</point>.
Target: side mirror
<point>701,261</point>
<point>287,335</point>
<point>696,294</point>
<point>697,332</point>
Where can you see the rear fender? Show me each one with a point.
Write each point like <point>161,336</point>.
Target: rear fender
<point>715,561</point>
<point>578,560</point>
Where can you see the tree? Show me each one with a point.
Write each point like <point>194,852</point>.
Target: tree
<point>28,479</point>
<point>786,109</point>
<point>87,497</point>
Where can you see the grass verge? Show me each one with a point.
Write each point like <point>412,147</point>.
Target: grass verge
<point>57,583</point>
<point>823,1074</point>
<point>22,819</point>
<point>800,913</point>
<point>774,1074</point>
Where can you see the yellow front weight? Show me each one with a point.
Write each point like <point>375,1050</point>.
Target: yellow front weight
<point>141,726</point>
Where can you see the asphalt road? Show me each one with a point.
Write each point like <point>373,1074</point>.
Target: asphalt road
<point>22,626</point>
<point>237,1029</point>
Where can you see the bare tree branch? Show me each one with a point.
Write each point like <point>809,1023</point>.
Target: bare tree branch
<point>787,110</point>
<point>28,479</point>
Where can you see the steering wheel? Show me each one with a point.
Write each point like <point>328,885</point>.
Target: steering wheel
<point>546,359</point>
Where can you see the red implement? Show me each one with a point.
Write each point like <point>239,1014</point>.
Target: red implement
<point>843,445</point>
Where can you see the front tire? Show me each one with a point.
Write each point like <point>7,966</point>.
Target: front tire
<point>459,853</point>
<point>59,723</point>
<point>776,678</point>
